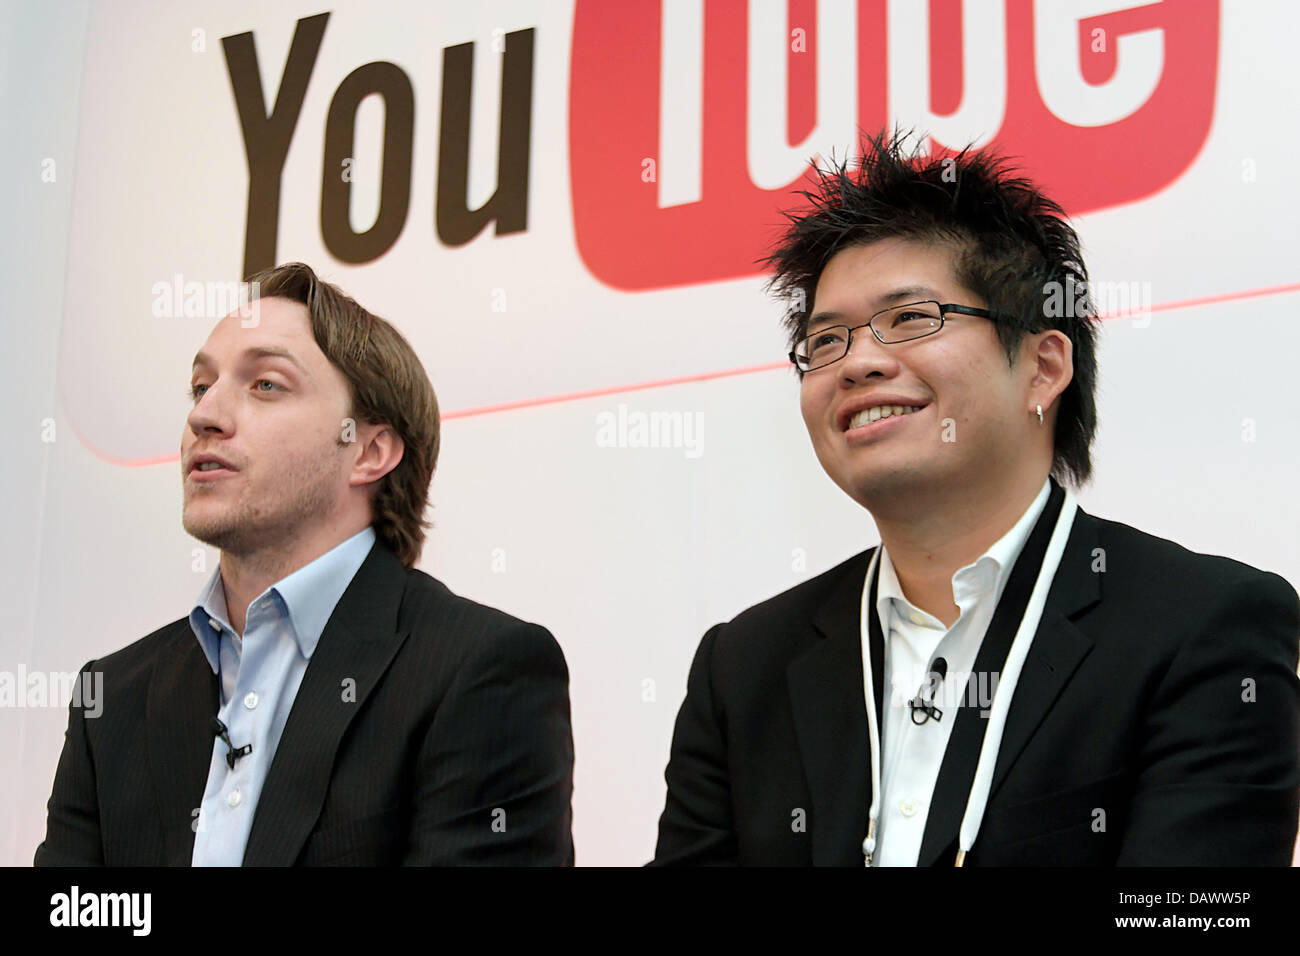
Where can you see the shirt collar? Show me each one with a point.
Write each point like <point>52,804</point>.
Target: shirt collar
<point>209,618</point>
<point>309,595</point>
<point>988,573</point>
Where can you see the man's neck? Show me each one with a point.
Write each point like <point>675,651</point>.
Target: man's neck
<point>929,542</point>
<point>245,576</point>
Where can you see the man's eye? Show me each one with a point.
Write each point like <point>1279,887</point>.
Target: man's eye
<point>262,385</point>
<point>823,339</point>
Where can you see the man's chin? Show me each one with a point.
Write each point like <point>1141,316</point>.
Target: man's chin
<point>218,531</point>
<point>881,486</point>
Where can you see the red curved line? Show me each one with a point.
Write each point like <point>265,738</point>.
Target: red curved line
<point>705,376</point>
<point>612,390</point>
<point>1209,299</point>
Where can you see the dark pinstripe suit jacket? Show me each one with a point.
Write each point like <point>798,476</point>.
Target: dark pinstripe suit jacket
<point>455,747</point>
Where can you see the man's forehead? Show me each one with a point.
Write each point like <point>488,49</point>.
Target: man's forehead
<point>885,273</point>
<point>893,262</point>
<point>267,328</point>
<point>273,312</point>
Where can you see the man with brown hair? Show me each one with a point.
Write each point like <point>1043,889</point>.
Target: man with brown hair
<point>324,702</point>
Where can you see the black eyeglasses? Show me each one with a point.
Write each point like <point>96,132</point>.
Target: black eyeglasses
<point>902,323</point>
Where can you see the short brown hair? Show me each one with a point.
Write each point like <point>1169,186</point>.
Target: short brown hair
<point>389,387</point>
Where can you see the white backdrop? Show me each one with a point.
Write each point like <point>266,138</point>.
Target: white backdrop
<point>125,166</point>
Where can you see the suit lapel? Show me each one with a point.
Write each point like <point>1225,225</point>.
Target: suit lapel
<point>182,700</point>
<point>829,708</point>
<point>1057,649</point>
<point>358,644</point>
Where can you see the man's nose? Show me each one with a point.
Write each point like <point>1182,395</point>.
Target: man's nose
<point>210,412</point>
<point>866,355</point>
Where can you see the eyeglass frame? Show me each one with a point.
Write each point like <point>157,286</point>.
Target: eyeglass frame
<point>943,307</point>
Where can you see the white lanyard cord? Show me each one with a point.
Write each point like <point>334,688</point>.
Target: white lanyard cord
<point>873,732</point>
<point>977,799</point>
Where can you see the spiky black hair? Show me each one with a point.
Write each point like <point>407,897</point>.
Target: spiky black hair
<point>1011,245</point>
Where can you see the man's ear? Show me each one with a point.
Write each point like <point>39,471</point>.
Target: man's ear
<point>380,451</point>
<point>1052,359</point>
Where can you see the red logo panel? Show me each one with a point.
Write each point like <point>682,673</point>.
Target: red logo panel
<point>630,243</point>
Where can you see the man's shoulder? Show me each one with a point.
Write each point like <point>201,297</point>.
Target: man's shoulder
<point>797,602</point>
<point>1141,564</point>
<point>780,626</point>
<point>426,598</point>
<point>138,657</point>
<point>430,607</point>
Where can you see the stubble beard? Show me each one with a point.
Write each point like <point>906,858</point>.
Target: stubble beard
<point>269,521</point>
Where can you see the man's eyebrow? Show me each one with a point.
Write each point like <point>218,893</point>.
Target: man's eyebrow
<point>274,351</point>
<point>907,293</point>
<point>260,352</point>
<point>821,318</point>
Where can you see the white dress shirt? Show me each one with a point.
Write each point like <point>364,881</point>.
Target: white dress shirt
<point>912,753</point>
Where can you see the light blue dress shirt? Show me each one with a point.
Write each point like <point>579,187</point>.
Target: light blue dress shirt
<point>260,672</point>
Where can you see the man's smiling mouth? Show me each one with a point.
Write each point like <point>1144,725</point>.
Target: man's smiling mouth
<point>877,412</point>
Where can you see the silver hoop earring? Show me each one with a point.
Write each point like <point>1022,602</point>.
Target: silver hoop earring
<point>1039,408</point>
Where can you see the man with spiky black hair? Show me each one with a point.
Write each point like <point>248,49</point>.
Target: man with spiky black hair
<point>1047,687</point>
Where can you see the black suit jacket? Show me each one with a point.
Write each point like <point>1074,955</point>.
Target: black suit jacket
<point>1162,691</point>
<point>454,747</point>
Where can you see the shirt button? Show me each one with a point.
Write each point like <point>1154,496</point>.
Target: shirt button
<point>916,617</point>
<point>214,624</point>
<point>233,798</point>
<point>250,700</point>
<point>907,808</point>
